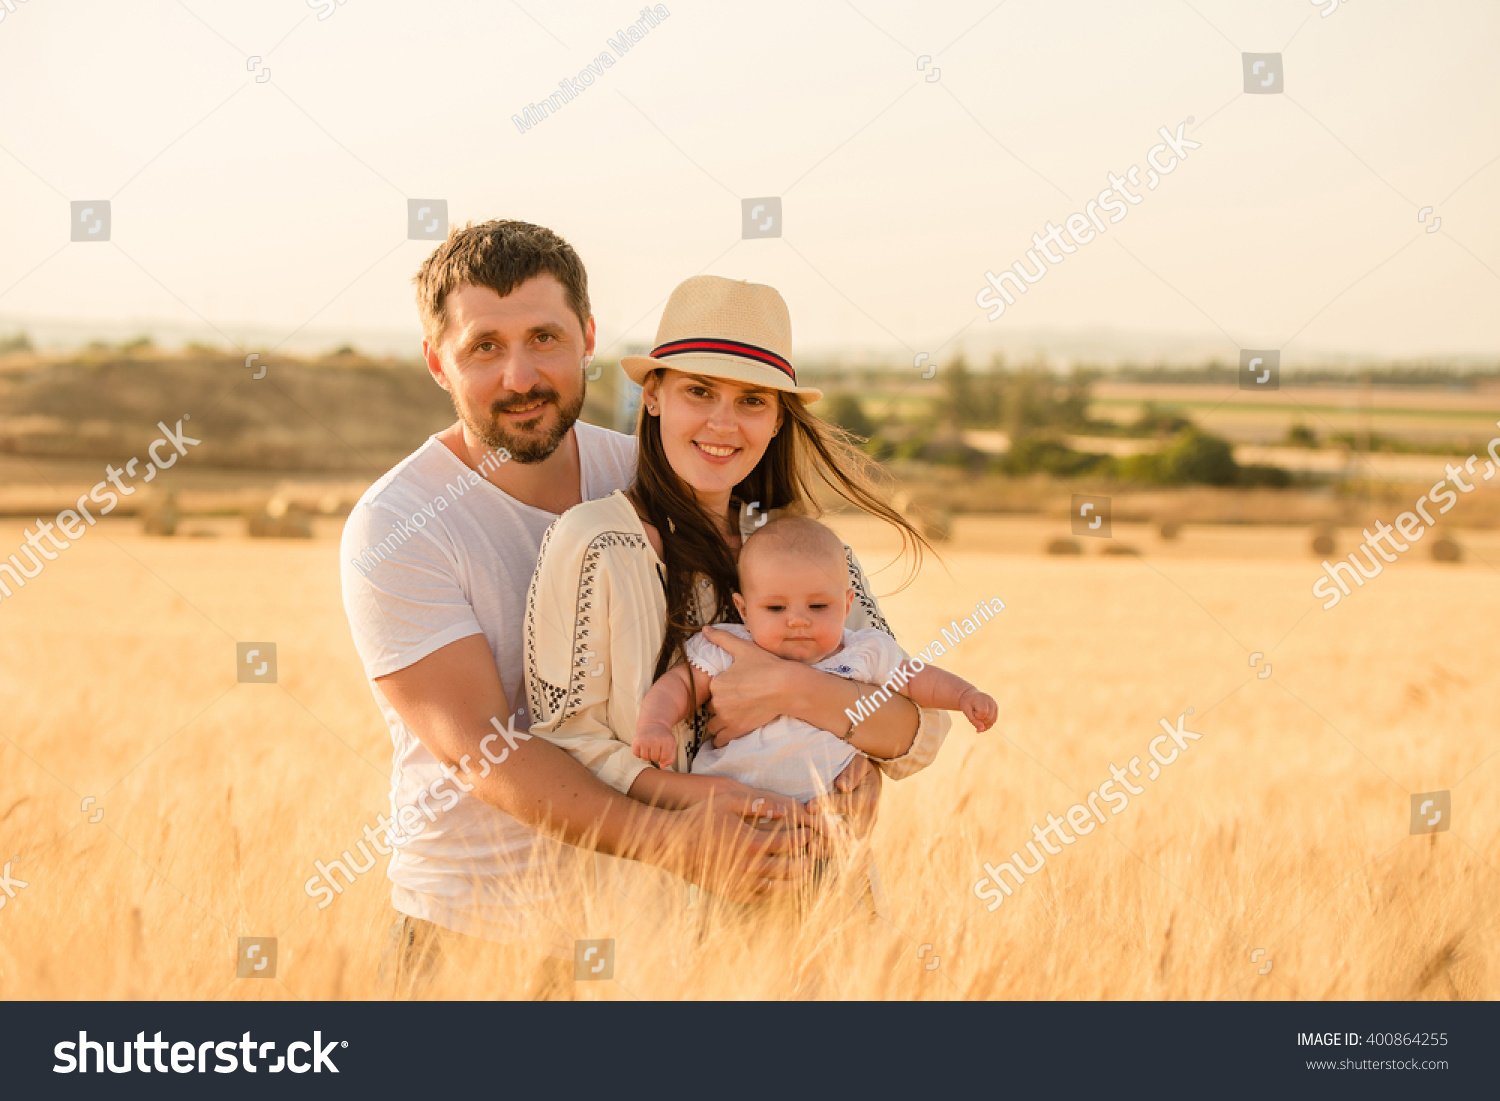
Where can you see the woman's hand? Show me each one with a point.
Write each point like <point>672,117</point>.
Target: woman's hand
<point>751,692</point>
<point>855,796</point>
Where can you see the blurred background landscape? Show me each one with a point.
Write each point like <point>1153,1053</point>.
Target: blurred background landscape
<point>1173,444</point>
<point>261,163</point>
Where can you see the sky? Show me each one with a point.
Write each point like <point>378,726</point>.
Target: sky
<point>258,158</point>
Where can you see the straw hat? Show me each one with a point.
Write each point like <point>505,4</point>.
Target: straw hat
<point>724,328</point>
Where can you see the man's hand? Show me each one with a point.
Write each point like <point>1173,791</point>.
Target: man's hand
<point>751,692</point>
<point>448,699</point>
<point>855,796</point>
<point>755,806</point>
<point>727,855</point>
<point>761,807</point>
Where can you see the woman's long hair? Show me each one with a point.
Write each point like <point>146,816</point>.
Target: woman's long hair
<point>806,451</point>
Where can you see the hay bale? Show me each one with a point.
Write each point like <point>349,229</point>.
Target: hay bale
<point>332,504</point>
<point>1447,550</point>
<point>938,528</point>
<point>1322,541</point>
<point>296,523</point>
<point>1170,530</point>
<point>279,519</point>
<point>161,519</point>
<point>1064,545</point>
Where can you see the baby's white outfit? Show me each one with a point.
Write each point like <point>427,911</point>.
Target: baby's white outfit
<point>789,756</point>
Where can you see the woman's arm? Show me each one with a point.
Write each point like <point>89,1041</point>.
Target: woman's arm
<point>899,738</point>
<point>760,686</point>
<point>570,625</point>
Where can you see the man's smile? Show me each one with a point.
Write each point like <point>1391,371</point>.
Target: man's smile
<point>523,410</point>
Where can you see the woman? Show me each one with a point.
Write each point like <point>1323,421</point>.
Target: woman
<point>623,581</point>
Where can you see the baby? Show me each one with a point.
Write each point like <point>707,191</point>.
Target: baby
<point>794,598</point>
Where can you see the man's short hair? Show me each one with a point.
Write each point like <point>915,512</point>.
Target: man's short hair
<point>500,255</point>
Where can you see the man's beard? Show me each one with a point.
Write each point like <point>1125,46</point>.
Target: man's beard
<point>524,447</point>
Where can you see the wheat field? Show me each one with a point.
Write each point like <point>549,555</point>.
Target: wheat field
<point>1272,860</point>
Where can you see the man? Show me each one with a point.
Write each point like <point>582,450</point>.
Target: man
<point>436,559</point>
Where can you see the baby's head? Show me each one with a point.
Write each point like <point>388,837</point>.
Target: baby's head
<point>794,589</point>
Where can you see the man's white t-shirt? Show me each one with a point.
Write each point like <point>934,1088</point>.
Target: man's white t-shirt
<point>432,553</point>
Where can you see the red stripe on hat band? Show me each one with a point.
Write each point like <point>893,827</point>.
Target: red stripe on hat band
<point>731,347</point>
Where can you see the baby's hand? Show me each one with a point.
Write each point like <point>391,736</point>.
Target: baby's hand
<point>655,743</point>
<point>979,709</point>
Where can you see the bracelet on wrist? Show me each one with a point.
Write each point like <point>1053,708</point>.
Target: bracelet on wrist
<point>848,734</point>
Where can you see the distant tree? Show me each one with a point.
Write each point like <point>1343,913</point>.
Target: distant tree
<point>845,410</point>
<point>1262,474</point>
<point>1156,421</point>
<point>1198,457</point>
<point>988,399</point>
<point>16,342</point>
<point>1299,435</point>
<point>1040,453</point>
<point>956,406</point>
<point>1143,467</point>
<point>1073,401</point>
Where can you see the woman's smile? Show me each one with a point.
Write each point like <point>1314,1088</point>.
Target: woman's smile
<point>716,452</point>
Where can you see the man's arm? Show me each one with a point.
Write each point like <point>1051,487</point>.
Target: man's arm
<point>448,699</point>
